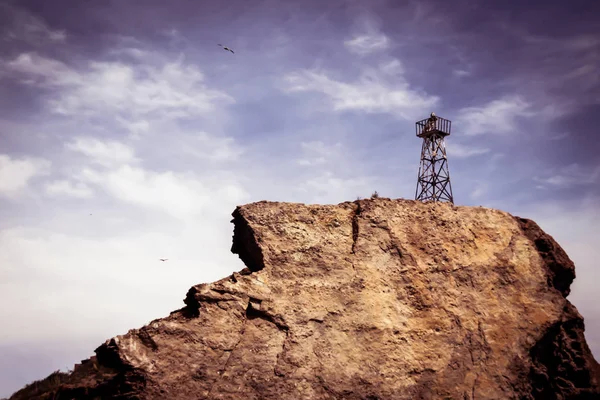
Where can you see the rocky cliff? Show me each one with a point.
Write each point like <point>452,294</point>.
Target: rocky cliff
<point>374,299</point>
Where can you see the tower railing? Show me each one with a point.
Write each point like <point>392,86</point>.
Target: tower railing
<point>439,125</point>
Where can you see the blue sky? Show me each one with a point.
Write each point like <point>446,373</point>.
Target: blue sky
<point>127,135</point>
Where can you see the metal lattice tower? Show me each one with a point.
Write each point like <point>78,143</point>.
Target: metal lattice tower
<point>433,183</point>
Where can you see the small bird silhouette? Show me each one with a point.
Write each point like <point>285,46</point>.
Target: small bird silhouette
<point>163,259</point>
<point>226,48</point>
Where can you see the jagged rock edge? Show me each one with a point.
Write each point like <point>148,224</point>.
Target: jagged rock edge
<point>560,270</point>
<point>546,352</point>
<point>245,242</point>
<point>129,380</point>
<point>548,357</point>
<point>556,263</point>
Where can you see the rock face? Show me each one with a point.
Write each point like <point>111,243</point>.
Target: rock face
<point>375,299</point>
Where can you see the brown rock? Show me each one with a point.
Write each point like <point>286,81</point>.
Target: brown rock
<point>376,299</point>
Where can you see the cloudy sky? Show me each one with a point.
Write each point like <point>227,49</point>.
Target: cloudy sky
<point>127,135</point>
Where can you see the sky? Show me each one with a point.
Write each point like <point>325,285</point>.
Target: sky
<point>128,135</point>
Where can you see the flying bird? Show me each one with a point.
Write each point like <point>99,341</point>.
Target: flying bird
<point>163,259</point>
<point>226,48</point>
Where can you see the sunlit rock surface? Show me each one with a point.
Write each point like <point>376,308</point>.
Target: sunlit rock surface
<point>374,299</point>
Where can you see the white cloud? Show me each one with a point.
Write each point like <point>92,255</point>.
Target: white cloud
<point>131,52</point>
<point>106,153</point>
<point>479,191</point>
<point>367,43</point>
<point>330,188</point>
<point>207,147</point>
<point>76,270</point>
<point>173,89</point>
<point>16,174</point>
<point>69,189</point>
<point>311,162</point>
<point>74,261</point>
<point>136,128</point>
<point>573,174</point>
<point>372,93</point>
<point>318,153</point>
<point>140,99</point>
<point>497,116</point>
<point>318,147</point>
<point>463,151</point>
<point>113,167</point>
<point>38,70</point>
<point>393,67</point>
<point>461,73</point>
<point>181,195</point>
<point>167,191</point>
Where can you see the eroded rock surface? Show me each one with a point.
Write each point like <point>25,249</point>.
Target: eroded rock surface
<point>375,299</point>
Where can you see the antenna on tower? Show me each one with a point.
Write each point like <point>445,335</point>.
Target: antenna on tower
<point>433,183</point>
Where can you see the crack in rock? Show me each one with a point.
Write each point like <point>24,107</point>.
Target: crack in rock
<point>280,355</point>
<point>474,387</point>
<point>355,226</point>
<point>224,367</point>
<point>147,340</point>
